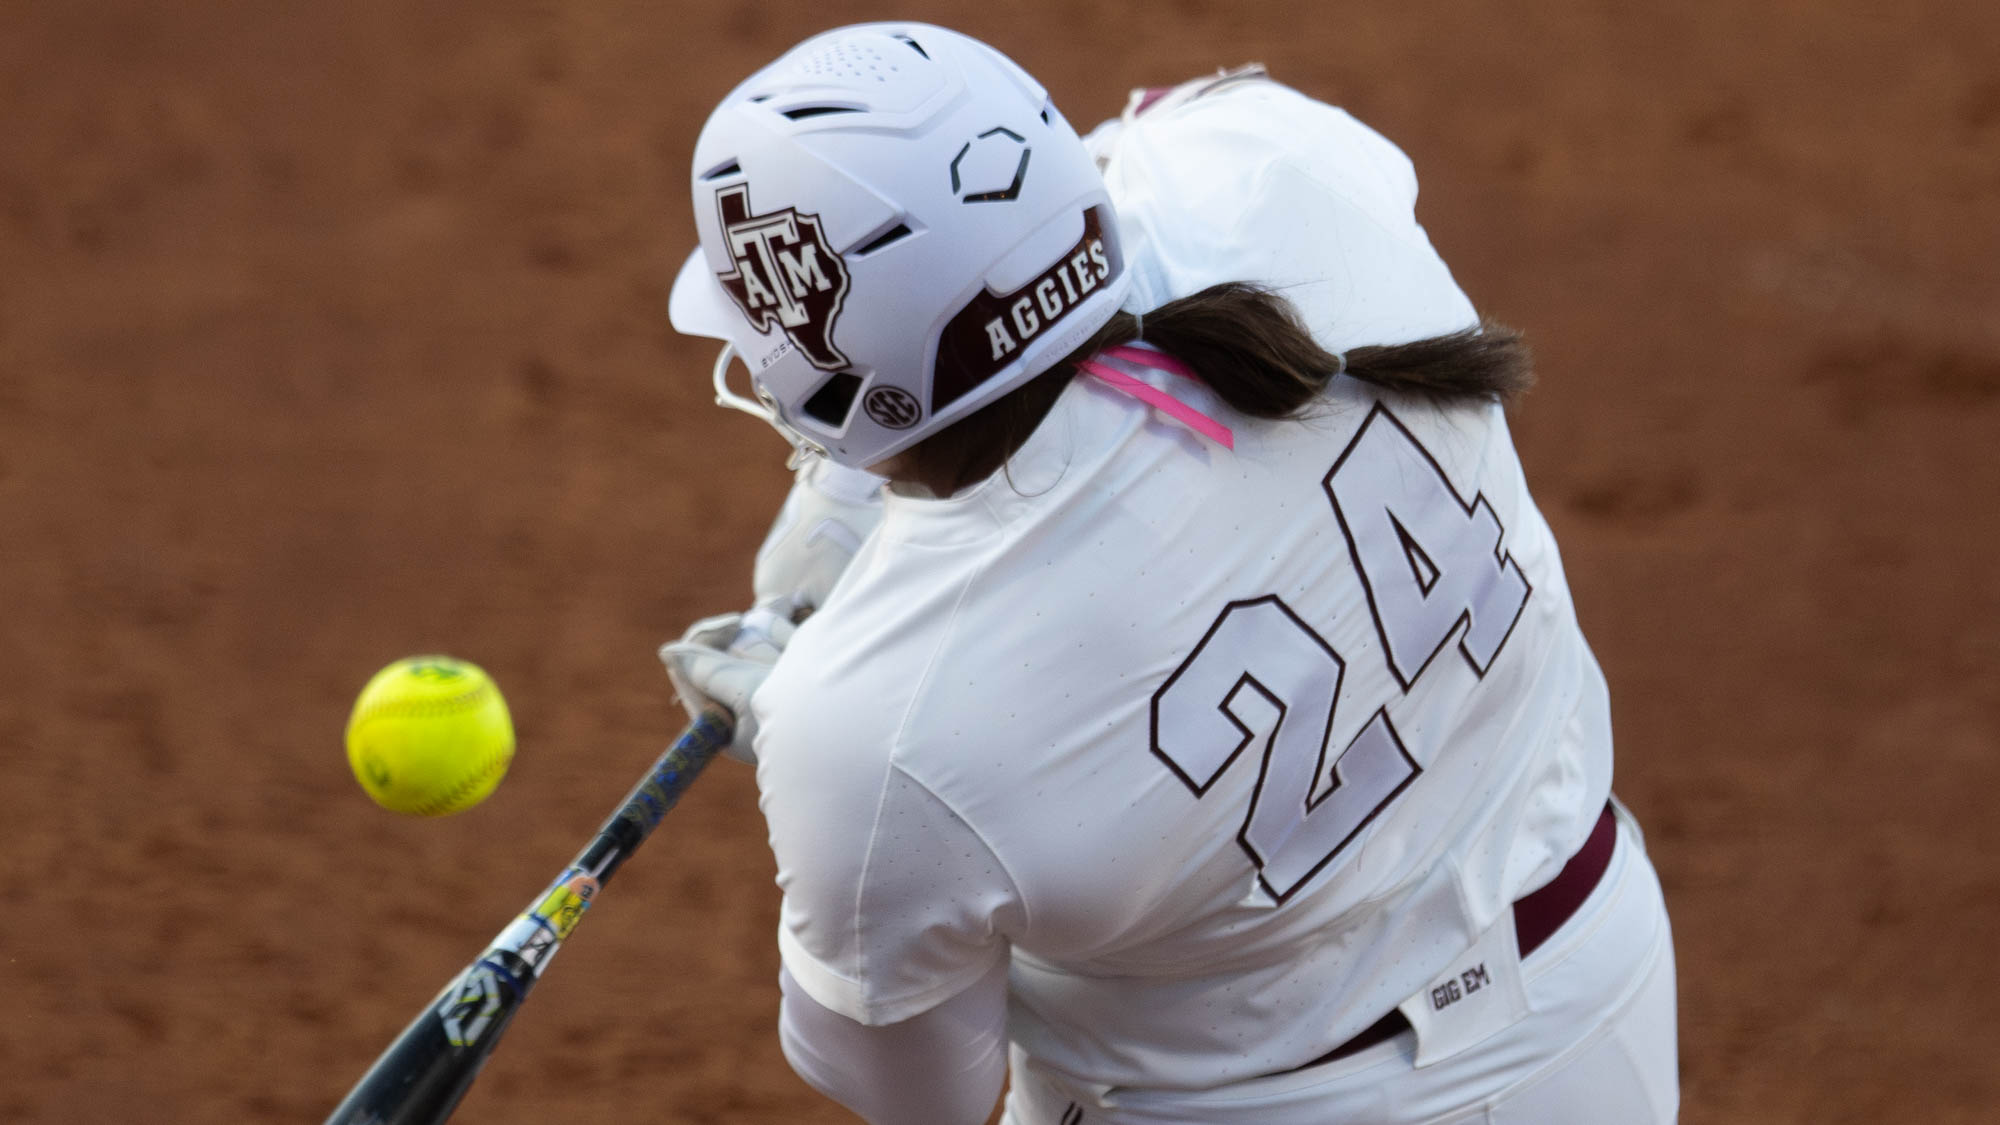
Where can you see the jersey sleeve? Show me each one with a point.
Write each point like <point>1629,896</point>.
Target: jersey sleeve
<point>892,902</point>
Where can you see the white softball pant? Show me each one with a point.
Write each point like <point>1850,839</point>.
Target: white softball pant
<point>1598,1046</point>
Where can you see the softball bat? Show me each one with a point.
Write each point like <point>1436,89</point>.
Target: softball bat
<point>423,1075</point>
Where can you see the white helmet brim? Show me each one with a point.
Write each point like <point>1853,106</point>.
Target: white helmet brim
<point>698,306</point>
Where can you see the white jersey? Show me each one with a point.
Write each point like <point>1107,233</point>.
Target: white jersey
<point>1229,752</point>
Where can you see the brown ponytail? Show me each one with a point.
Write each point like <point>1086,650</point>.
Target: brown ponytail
<point>1250,348</point>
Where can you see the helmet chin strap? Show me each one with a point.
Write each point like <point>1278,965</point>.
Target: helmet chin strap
<point>757,408</point>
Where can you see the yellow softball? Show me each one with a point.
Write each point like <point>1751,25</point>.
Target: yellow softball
<point>430,735</point>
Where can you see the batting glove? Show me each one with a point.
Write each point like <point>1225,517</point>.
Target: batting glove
<point>830,512</point>
<point>723,660</point>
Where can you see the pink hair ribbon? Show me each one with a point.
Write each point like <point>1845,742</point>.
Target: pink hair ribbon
<point>1153,396</point>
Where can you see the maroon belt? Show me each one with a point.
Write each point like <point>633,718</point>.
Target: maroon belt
<point>1536,918</point>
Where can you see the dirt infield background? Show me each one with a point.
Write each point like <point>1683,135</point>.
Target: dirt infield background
<point>335,332</point>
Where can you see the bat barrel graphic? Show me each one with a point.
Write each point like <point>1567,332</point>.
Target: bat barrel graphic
<point>421,1077</point>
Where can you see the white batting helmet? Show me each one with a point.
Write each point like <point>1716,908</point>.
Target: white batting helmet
<point>897,226</point>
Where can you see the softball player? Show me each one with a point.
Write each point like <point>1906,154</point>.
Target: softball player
<point>1204,729</point>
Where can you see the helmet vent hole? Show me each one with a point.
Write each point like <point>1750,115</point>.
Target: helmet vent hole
<point>803,112</point>
<point>899,231</point>
<point>845,60</point>
<point>834,399</point>
<point>720,171</point>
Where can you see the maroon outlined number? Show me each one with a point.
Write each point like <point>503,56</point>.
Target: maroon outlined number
<point>1429,561</point>
<point>1430,564</point>
<point>1260,667</point>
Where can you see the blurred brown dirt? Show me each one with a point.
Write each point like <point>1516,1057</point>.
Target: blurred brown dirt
<point>335,332</point>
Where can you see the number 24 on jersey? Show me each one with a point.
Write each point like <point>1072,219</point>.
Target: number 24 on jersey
<point>1433,567</point>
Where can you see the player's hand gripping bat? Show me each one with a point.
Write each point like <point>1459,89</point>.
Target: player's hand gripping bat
<point>421,1077</point>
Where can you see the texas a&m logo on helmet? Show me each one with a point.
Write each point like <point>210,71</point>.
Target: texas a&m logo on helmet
<point>786,275</point>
